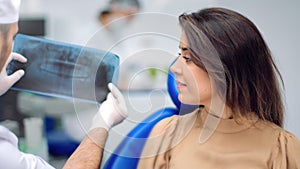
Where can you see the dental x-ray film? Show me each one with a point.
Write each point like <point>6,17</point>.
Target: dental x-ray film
<point>64,70</point>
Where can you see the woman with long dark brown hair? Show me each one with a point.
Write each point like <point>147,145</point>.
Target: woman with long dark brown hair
<point>226,68</point>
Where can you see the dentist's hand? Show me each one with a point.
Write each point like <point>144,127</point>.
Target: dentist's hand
<point>112,111</point>
<point>7,81</point>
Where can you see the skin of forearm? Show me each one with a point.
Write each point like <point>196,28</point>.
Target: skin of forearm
<point>89,153</point>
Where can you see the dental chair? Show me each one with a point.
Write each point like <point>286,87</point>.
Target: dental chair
<point>127,154</point>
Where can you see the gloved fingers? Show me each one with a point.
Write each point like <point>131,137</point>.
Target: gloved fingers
<point>119,100</point>
<point>110,113</point>
<point>111,100</point>
<point>18,57</point>
<point>117,105</point>
<point>13,78</point>
<point>116,92</point>
<point>15,56</point>
<point>110,97</point>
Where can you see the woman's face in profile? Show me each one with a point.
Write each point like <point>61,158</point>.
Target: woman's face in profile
<point>193,83</point>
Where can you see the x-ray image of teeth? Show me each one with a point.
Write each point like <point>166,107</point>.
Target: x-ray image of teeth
<point>64,70</point>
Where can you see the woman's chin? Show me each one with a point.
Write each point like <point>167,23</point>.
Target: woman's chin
<point>183,100</point>
<point>187,100</point>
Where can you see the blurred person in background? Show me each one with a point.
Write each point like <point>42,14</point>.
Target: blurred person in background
<point>115,24</point>
<point>138,39</point>
<point>113,21</point>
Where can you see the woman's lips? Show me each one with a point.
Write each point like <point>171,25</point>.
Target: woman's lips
<point>180,85</point>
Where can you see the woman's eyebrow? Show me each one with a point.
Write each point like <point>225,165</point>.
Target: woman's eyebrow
<point>183,48</point>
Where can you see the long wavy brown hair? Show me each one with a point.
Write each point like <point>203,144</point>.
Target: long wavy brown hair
<point>252,78</point>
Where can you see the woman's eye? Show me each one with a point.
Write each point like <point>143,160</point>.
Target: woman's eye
<point>186,58</point>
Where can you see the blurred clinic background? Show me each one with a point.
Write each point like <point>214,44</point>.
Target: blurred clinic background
<point>145,34</point>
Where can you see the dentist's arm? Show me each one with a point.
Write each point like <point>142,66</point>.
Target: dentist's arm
<point>89,153</point>
<point>7,81</point>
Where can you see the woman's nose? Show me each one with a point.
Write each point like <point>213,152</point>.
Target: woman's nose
<point>175,67</point>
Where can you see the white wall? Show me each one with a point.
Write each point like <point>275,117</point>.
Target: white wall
<point>74,21</point>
